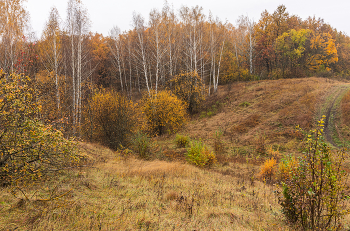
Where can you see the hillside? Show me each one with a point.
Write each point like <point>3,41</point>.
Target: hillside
<point>114,192</point>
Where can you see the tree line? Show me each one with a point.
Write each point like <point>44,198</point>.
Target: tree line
<point>69,62</point>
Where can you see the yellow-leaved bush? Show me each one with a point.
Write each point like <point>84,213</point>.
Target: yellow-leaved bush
<point>29,149</point>
<point>189,87</point>
<point>110,119</point>
<point>164,112</point>
<point>314,190</point>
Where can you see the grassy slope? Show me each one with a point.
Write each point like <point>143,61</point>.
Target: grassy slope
<point>167,193</point>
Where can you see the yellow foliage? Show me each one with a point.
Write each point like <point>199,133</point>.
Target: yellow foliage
<point>267,171</point>
<point>164,112</point>
<point>324,52</point>
<point>287,168</point>
<point>190,88</point>
<point>199,154</point>
<point>110,119</point>
<point>272,152</point>
<point>29,149</point>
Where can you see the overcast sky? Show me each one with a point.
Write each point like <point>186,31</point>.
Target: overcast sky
<point>104,14</point>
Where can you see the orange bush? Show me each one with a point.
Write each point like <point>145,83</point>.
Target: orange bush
<point>164,112</point>
<point>267,170</point>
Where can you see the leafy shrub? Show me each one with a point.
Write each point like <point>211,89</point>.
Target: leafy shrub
<point>313,191</point>
<point>164,112</point>
<point>210,114</point>
<point>142,145</point>
<point>203,115</point>
<point>189,87</point>
<point>111,119</point>
<point>29,150</point>
<point>199,154</point>
<point>267,170</point>
<point>287,168</point>
<point>182,141</point>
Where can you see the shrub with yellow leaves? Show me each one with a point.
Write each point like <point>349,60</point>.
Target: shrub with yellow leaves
<point>314,188</point>
<point>110,119</point>
<point>287,168</point>
<point>164,112</point>
<point>189,87</point>
<point>29,150</point>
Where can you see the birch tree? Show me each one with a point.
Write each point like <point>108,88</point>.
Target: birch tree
<point>13,23</point>
<point>140,51</point>
<point>78,25</point>
<point>115,49</point>
<point>192,20</point>
<point>217,42</point>
<point>50,49</point>
<point>157,37</point>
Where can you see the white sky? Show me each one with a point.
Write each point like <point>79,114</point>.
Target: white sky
<point>104,14</point>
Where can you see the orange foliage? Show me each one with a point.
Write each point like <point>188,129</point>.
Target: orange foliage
<point>164,112</point>
<point>267,171</point>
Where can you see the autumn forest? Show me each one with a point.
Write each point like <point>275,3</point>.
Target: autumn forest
<point>69,61</point>
<point>69,95</point>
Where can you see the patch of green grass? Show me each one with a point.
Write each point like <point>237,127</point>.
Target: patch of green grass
<point>213,110</point>
<point>244,104</point>
<point>335,122</point>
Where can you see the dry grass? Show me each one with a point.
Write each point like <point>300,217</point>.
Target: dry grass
<point>276,107</point>
<point>134,194</point>
<point>124,193</point>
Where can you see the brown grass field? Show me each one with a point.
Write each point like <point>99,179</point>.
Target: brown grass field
<point>257,121</point>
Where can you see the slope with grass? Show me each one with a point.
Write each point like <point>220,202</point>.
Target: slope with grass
<point>130,194</point>
<point>256,121</point>
<point>269,110</point>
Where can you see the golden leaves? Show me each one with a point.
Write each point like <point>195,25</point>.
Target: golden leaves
<point>164,112</point>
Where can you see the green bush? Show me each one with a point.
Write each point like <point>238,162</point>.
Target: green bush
<point>182,141</point>
<point>313,190</point>
<point>142,145</point>
<point>199,155</point>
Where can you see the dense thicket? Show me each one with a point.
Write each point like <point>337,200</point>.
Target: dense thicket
<point>29,150</point>
<point>68,62</point>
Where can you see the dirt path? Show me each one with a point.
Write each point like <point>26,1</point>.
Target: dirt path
<point>331,107</point>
